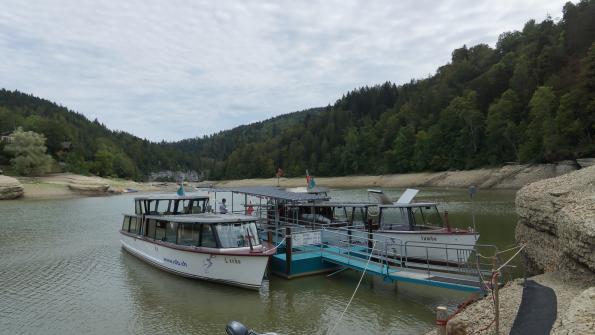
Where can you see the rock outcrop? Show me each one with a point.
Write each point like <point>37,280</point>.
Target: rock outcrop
<point>580,317</point>
<point>557,222</point>
<point>10,188</point>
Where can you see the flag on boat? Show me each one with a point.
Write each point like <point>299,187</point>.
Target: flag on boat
<point>310,181</point>
<point>181,190</point>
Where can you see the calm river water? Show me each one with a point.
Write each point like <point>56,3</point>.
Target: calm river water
<point>62,271</point>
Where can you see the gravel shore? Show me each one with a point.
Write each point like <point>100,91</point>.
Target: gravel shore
<point>505,177</point>
<point>480,314</point>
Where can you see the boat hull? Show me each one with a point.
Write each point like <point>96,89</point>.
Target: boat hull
<point>233,269</point>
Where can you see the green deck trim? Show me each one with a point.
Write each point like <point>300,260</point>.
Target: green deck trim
<point>397,274</point>
<point>314,261</point>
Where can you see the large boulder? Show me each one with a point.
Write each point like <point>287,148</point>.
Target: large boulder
<point>10,188</point>
<point>557,222</point>
<point>580,317</point>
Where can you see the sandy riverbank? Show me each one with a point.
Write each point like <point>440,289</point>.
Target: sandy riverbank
<point>505,177</point>
<point>67,185</point>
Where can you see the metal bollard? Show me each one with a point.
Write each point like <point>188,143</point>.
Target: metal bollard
<point>441,320</point>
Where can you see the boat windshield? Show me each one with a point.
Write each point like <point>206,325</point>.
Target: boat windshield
<point>427,216</point>
<point>237,235</point>
<point>410,218</point>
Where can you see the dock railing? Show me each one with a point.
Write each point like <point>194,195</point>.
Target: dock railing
<point>435,260</point>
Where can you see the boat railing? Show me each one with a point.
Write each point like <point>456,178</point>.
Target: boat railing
<point>356,247</point>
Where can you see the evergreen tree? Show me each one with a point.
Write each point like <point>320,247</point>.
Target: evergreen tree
<point>542,107</point>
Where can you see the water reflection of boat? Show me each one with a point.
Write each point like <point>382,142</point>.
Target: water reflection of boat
<point>217,247</point>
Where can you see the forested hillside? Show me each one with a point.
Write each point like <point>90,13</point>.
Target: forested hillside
<point>84,146</point>
<point>529,99</point>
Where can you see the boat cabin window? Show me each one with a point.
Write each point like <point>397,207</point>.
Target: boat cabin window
<point>126,223</point>
<point>358,215</point>
<point>395,219</point>
<point>410,218</point>
<point>171,232</point>
<point>134,224</point>
<point>427,216</point>
<point>322,215</point>
<point>151,226</point>
<point>188,234</point>
<point>138,207</point>
<point>158,207</point>
<point>193,206</point>
<point>237,235</point>
<point>160,230</point>
<point>340,214</point>
<point>207,237</point>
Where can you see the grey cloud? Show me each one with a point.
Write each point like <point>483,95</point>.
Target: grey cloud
<point>172,70</point>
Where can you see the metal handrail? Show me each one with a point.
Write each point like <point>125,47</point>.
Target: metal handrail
<point>389,253</point>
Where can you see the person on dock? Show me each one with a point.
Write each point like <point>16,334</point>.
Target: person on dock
<point>223,207</point>
<point>250,209</point>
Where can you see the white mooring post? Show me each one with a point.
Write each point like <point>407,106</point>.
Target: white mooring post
<point>441,319</point>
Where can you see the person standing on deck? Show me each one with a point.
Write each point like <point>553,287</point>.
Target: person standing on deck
<point>223,207</point>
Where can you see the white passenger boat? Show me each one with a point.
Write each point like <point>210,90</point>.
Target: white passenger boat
<point>414,230</point>
<point>223,248</point>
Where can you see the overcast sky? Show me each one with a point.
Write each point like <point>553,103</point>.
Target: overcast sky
<point>179,69</point>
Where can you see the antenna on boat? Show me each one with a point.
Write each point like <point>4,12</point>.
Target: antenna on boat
<point>472,191</point>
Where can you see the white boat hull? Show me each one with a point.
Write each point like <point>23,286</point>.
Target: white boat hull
<point>424,245</point>
<point>233,269</point>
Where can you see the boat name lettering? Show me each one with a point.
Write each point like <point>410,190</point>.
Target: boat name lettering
<point>175,262</point>
<point>232,260</point>
<point>428,238</point>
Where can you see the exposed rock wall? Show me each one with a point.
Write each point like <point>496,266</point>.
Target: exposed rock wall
<point>10,188</point>
<point>580,317</point>
<point>557,222</point>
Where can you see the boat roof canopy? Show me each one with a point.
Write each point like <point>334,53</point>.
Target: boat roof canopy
<point>173,196</point>
<point>338,204</point>
<point>204,218</point>
<point>273,192</point>
<point>410,205</point>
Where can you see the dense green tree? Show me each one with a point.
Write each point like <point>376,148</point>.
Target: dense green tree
<point>542,107</point>
<point>503,134</point>
<point>29,153</point>
<point>400,157</point>
<point>104,162</point>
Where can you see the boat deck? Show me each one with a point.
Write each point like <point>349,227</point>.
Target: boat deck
<point>314,259</point>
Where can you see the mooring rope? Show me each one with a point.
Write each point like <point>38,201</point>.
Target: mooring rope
<point>511,258</point>
<point>494,281</point>
<point>282,241</point>
<point>355,291</point>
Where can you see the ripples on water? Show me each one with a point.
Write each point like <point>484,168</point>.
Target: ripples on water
<point>62,271</point>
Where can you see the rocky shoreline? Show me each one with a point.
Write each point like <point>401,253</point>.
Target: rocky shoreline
<point>557,226</point>
<point>67,185</point>
<point>10,188</point>
<point>512,176</point>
